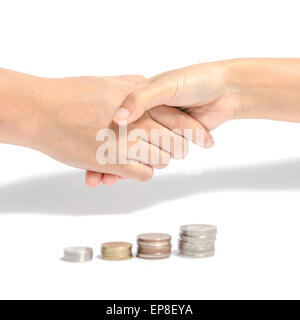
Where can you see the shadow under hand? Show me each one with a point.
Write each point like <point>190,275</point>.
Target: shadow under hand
<point>66,194</point>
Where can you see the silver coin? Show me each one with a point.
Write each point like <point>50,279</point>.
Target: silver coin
<point>78,254</point>
<point>198,229</point>
<point>154,237</point>
<point>153,256</point>
<point>201,238</point>
<point>197,240</point>
<point>197,248</point>
<point>200,246</point>
<point>206,254</point>
<point>195,243</point>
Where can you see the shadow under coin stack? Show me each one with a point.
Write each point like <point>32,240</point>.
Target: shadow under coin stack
<point>197,240</point>
<point>154,246</point>
<point>116,250</point>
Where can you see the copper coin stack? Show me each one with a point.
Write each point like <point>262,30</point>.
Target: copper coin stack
<point>154,246</point>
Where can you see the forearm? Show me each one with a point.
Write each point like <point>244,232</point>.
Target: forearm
<point>20,97</point>
<point>266,88</point>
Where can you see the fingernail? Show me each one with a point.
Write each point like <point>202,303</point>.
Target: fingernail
<point>209,143</point>
<point>122,114</point>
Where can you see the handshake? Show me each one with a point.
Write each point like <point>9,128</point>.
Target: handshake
<point>143,123</point>
<point>125,127</point>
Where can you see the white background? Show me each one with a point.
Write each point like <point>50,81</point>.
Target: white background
<point>248,185</point>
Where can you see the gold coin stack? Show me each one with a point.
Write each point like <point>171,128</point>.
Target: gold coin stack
<point>116,250</point>
<point>154,246</point>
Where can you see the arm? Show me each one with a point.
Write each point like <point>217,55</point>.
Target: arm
<point>214,93</point>
<point>20,98</point>
<point>62,117</point>
<point>266,88</point>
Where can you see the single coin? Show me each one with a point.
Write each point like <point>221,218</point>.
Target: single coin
<point>151,237</point>
<point>198,229</point>
<point>157,250</point>
<point>199,244</point>
<point>78,254</point>
<point>116,245</point>
<point>196,239</point>
<point>196,251</point>
<point>153,256</point>
<point>206,254</point>
<point>116,250</point>
<point>156,244</point>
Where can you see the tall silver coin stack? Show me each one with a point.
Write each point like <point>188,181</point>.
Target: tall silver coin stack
<point>197,240</point>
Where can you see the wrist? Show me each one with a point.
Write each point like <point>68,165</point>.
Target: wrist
<point>242,87</point>
<point>265,88</point>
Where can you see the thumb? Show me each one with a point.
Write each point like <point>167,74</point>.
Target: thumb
<point>142,99</point>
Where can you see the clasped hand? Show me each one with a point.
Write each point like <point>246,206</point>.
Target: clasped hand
<point>106,125</point>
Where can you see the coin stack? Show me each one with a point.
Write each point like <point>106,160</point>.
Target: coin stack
<point>78,254</point>
<point>154,246</point>
<point>116,250</point>
<point>197,240</point>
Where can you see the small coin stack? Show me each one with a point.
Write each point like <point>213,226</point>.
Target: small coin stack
<point>197,240</point>
<point>154,246</point>
<point>78,254</point>
<point>116,250</point>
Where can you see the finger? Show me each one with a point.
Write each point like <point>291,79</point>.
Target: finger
<point>134,78</point>
<point>109,179</point>
<point>133,170</point>
<point>149,154</point>
<point>160,136</point>
<point>160,92</point>
<point>181,122</point>
<point>93,179</point>
<point>208,115</point>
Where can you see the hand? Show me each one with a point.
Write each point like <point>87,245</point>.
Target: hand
<point>199,90</point>
<point>93,178</point>
<point>213,93</point>
<point>80,108</point>
<point>168,117</point>
<point>61,117</point>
